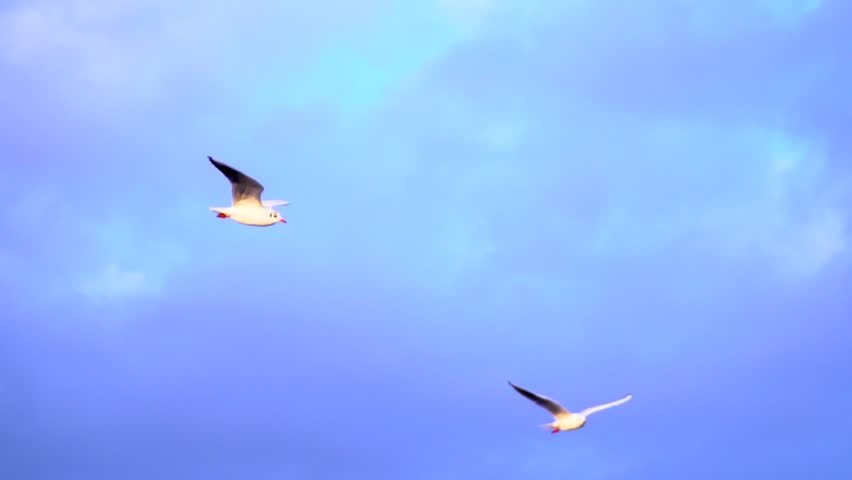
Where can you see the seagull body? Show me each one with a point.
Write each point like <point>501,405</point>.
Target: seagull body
<point>247,208</point>
<point>563,419</point>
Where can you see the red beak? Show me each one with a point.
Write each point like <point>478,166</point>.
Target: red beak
<point>283,220</point>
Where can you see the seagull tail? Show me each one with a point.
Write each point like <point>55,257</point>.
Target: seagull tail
<point>221,210</point>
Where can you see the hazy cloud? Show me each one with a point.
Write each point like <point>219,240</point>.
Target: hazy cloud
<point>584,196</point>
<point>112,282</point>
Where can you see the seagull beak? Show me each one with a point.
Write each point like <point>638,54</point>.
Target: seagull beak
<point>283,220</point>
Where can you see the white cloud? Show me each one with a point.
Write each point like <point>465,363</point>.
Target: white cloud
<point>810,247</point>
<point>98,53</point>
<point>795,221</point>
<point>774,200</point>
<point>787,12</point>
<point>81,48</point>
<point>62,29</point>
<point>33,207</point>
<point>118,244</point>
<point>468,13</point>
<point>520,19</point>
<point>127,261</point>
<point>503,135</point>
<point>113,282</point>
<point>103,53</point>
<point>461,248</point>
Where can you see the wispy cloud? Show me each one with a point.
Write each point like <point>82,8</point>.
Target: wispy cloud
<point>789,12</point>
<point>81,42</point>
<point>814,245</point>
<point>480,188</point>
<point>794,218</point>
<point>470,14</point>
<point>113,282</point>
<point>369,62</point>
<point>132,261</point>
<point>80,251</point>
<point>774,200</point>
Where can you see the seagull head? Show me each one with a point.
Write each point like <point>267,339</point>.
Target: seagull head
<point>277,216</point>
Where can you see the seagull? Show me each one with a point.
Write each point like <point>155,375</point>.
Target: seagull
<point>247,208</point>
<point>566,420</point>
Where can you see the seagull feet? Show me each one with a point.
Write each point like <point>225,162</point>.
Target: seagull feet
<point>221,215</point>
<point>555,430</point>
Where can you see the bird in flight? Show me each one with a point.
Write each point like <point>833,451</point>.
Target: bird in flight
<point>247,208</point>
<point>565,420</point>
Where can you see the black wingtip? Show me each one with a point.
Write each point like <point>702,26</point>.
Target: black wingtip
<point>216,163</point>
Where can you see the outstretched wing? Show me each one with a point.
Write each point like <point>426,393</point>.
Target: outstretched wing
<point>598,408</point>
<point>244,189</point>
<point>548,404</point>
<point>274,203</point>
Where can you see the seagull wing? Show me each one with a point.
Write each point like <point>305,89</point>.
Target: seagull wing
<point>598,408</point>
<point>244,189</point>
<point>548,404</point>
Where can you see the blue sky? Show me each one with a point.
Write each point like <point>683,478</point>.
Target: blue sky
<point>589,199</point>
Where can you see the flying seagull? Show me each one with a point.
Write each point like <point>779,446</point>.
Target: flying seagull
<point>565,420</point>
<point>247,207</point>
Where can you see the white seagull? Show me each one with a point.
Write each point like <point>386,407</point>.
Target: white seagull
<point>565,420</point>
<point>247,208</point>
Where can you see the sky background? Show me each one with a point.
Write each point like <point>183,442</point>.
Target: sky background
<point>589,198</point>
